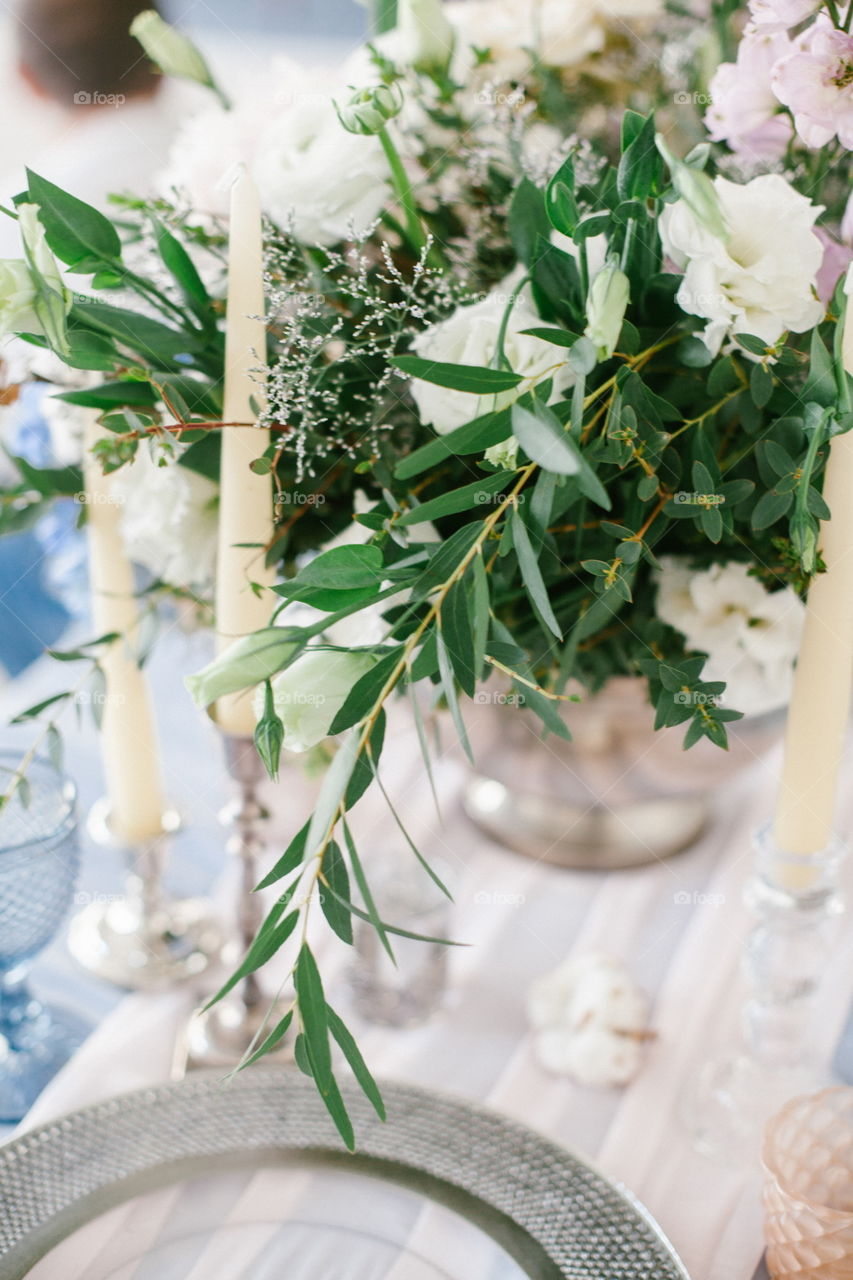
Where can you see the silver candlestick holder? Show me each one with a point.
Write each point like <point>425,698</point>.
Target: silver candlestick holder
<point>223,1035</point>
<point>143,939</point>
<point>796,901</point>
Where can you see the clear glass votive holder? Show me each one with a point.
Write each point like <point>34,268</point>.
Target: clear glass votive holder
<point>808,1189</point>
<point>408,993</point>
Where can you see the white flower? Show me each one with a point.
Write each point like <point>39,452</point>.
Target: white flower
<point>590,1019</point>
<point>561,33</point>
<point>606,305</point>
<point>244,664</point>
<point>17,298</point>
<point>470,336</point>
<point>751,635</point>
<point>426,35</point>
<point>168,518</point>
<point>761,278</point>
<point>310,171</point>
<point>310,693</point>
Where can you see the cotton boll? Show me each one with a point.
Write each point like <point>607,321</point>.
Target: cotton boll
<point>591,1020</point>
<point>599,1057</point>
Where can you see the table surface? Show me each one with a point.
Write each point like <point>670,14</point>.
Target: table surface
<point>678,924</point>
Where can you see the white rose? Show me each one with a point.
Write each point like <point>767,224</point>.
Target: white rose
<point>309,694</point>
<point>470,336</point>
<point>751,635</point>
<point>168,518</point>
<point>562,33</point>
<point>761,278</point>
<point>308,168</point>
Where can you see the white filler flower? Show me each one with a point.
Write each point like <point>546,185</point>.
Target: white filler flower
<point>751,635</point>
<point>759,279</point>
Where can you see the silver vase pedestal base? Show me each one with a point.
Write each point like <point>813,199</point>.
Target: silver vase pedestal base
<point>143,939</point>
<point>585,838</point>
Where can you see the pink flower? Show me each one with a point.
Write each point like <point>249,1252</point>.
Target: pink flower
<point>836,259</point>
<point>816,82</point>
<point>744,111</point>
<point>781,14</point>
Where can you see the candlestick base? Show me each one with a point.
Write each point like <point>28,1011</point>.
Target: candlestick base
<point>226,1034</point>
<point>796,903</point>
<point>142,939</point>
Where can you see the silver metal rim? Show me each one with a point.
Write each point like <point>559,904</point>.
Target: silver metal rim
<point>558,1217</point>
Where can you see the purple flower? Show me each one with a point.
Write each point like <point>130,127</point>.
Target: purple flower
<point>744,111</point>
<point>816,82</point>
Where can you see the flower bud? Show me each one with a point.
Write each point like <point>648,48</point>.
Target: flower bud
<point>606,305</point>
<point>245,663</point>
<point>172,51</point>
<point>369,110</point>
<point>696,190</point>
<point>33,296</point>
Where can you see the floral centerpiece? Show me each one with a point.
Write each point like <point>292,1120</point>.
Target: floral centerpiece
<point>572,411</point>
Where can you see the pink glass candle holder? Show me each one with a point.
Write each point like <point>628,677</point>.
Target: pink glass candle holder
<point>808,1190</point>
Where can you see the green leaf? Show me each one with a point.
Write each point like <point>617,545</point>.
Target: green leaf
<point>358,1066</point>
<point>334,874</point>
<point>456,631</point>
<point>532,575</point>
<point>363,695</point>
<point>180,264</point>
<point>78,234</point>
<point>459,377</point>
<point>312,1011</point>
<point>292,857</point>
<point>264,947</point>
<point>560,203</point>
<point>331,796</point>
<point>545,440</point>
<point>110,395</point>
<point>363,773</point>
<point>770,507</point>
<point>468,497</point>
<point>344,568</point>
<point>448,685</point>
<point>527,220</point>
<point>640,166</point>
<point>364,889</point>
<point>473,437</point>
<point>557,337</point>
<point>273,1040</point>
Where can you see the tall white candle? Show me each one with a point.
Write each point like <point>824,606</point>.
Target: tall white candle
<point>245,499</point>
<point>820,705</point>
<point>131,758</point>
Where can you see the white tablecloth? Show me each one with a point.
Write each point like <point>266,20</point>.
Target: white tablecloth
<point>679,925</point>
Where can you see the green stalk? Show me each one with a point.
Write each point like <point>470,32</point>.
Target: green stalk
<point>403,188</point>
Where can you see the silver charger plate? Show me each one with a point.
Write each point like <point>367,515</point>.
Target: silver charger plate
<point>543,1212</point>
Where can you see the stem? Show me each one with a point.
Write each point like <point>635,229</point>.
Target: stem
<point>403,188</point>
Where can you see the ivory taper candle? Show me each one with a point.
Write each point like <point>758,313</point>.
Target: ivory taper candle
<point>132,767</point>
<point>820,704</point>
<point>245,499</point>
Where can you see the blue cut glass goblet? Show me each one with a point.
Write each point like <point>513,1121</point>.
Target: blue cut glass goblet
<point>39,860</point>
